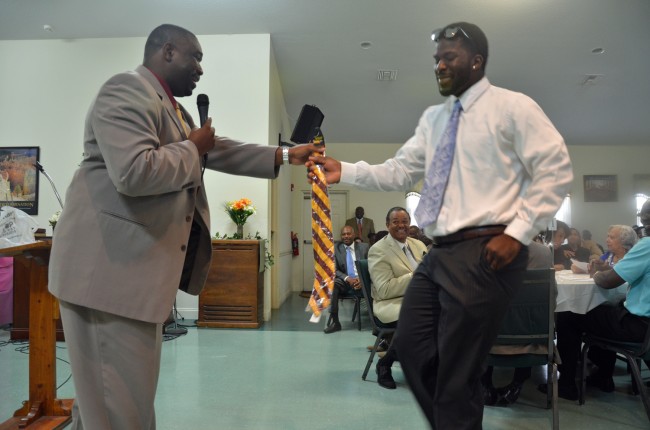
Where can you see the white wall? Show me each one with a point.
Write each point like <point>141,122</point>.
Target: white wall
<point>280,197</point>
<point>47,86</point>
<point>621,160</point>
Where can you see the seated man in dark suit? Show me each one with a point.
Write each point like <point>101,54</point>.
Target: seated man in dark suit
<point>346,281</point>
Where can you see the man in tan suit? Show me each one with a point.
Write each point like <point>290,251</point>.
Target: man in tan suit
<point>362,226</point>
<point>391,262</point>
<point>136,227</point>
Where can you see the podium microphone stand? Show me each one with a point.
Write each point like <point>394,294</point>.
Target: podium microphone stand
<point>173,328</point>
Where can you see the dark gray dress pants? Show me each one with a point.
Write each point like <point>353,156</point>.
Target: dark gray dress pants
<point>449,320</point>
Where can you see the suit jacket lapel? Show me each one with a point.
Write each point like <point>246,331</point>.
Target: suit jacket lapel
<point>418,258</point>
<point>399,252</point>
<point>162,95</point>
<point>342,256</point>
<point>357,252</point>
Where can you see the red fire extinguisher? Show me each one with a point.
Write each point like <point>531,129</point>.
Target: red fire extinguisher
<point>294,244</point>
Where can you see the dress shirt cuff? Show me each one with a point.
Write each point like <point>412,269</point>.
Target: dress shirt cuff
<point>521,230</point>
<point>348,173</point>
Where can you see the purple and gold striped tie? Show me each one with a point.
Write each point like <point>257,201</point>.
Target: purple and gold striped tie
<point>323,240</point>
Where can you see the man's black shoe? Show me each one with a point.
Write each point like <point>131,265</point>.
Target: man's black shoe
<point>385,377</point>
<point>334,327</point>
<point>568,392</point>
<point>489,395</point>
<point>509,394</point>
<point>604,383</point>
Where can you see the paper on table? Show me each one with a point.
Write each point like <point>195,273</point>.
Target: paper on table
<point>581,265</point>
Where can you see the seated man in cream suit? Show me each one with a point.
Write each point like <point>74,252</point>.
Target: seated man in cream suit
<point>391,262</point>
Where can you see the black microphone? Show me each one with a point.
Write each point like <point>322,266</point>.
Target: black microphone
<point>203,103</point>
<point>41,169</point>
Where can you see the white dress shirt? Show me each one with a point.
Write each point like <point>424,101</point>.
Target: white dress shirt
<point>510,167</point>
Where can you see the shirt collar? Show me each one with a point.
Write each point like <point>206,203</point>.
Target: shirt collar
<point>165,86</point>
<point>399,244</point>
<point>469,97</point>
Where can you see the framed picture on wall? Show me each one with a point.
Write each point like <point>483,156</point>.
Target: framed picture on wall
<point>19,178</point>
<point>600,188</point>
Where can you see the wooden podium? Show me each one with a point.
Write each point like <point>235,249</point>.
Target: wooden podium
<point>233,296</point>
<point>22,292</point>
<point>43,410</point>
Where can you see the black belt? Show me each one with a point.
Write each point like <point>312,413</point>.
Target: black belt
<point>469,233</point>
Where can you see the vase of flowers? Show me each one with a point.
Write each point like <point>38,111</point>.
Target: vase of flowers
<point>54,219</point>
<point>239,211</point>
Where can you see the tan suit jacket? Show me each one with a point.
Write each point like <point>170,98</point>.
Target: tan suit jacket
<point>121,241</point>
<point>367,227</point>
<point>391,272</point>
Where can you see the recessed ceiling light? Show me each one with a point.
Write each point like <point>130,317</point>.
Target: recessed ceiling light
<point>48,28</point>
<point>597,50</point>
<point>366,45</point>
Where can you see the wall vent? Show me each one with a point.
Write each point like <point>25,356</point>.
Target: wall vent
<point>386,75</point>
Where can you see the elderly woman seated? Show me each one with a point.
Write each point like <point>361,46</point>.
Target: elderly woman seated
<point>620,239</point>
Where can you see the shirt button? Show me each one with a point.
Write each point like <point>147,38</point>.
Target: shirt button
<point>188,218</point>
<point>183,248</point>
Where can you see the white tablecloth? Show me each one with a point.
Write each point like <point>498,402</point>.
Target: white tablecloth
<point>578,293</point>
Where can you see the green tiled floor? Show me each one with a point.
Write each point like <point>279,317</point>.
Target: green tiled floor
<point>289,375</point>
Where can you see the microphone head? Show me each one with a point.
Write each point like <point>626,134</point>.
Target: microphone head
<point>202,100</point>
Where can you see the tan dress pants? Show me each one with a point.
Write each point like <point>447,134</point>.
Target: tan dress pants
<point>115,364</point>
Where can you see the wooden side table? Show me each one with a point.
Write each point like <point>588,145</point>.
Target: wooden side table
<point>233,296</point>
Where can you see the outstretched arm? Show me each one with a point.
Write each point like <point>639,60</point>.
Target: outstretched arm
<point>329,166</point>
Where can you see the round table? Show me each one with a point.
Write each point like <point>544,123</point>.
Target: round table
<point>577,293</point>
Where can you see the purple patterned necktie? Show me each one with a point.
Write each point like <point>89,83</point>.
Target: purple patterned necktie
<point>435,183</point>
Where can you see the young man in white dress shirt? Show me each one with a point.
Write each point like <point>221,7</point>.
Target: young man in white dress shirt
<point>509,174</point>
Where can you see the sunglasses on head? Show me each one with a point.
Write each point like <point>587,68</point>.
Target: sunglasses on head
<point>448,33</point>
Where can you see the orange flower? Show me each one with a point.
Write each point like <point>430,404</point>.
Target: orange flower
<point>240,210</point>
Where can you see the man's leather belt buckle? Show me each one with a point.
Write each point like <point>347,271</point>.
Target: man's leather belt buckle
<point>469,233</point>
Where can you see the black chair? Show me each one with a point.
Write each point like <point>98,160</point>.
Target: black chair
<point>633,352</point>
<point>377,326</point>
<point>357,296</point>
<point>530,321</point>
